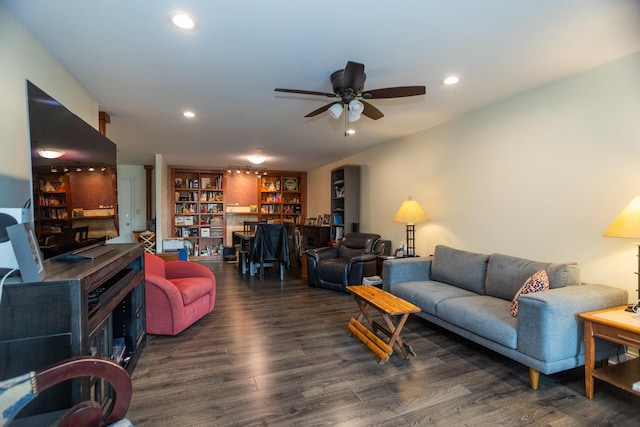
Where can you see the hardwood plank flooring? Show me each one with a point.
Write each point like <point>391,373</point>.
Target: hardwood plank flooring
<point>280,354</point>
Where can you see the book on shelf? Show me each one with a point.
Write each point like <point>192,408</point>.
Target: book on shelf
<point>337,219</point>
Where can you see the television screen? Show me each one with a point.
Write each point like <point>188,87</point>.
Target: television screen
<point>73,176</point>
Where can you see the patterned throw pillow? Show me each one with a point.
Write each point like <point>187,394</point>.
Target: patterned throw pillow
<point>539,281</point>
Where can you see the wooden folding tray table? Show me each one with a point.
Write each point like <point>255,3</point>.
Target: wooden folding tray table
<point>388,305</point>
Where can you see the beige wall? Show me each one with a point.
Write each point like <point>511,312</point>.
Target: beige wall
<point>540,175</point>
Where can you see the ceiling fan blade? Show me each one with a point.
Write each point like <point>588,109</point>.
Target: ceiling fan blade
<point>353,76</point>
<point>320,110</point>
<point>371,111</point>
<point>395,92</point>
<point>305,92</point>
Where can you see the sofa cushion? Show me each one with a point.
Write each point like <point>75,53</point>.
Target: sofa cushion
<point>467,270</point>
<point>538,282</point>
<point>506,274</point>
<point>484,316</point>
<point>192,288</point>
<point>333,269</point>
<point>428,294</point>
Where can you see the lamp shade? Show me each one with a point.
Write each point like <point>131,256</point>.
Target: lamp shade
<point>336,110</point>
<point>356,107</point>
<point>410,212</point>
<point>627,223</point>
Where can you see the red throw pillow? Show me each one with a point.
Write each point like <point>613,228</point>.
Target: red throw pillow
<point>539,281</point>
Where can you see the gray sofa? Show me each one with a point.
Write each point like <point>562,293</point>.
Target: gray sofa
<point>470,294</point>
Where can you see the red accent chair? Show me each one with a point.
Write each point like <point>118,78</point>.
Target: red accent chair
<point>178,293</point>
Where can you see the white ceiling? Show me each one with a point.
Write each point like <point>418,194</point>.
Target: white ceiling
<point>144,72</point>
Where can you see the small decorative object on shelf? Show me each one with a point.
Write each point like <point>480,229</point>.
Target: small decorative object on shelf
<point>290,184</point>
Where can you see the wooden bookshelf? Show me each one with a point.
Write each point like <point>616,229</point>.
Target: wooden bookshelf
<point>345,200</point>
<point>198,206</point>
<point>282,197</point>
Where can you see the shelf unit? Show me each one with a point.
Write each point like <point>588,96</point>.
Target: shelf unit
<point>79,310</point>
<point>345,201</point>
<point>282,197</point>
<point>198,206</point>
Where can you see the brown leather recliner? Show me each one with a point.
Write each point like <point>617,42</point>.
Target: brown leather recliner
<point>352,258</point>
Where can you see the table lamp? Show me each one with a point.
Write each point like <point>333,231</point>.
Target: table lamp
<point>627,224</point>
<point>410,213</point>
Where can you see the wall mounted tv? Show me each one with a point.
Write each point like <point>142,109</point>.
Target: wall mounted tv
<point>73,175</point>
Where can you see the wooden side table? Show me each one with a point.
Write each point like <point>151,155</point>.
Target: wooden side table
<point>615,325</point>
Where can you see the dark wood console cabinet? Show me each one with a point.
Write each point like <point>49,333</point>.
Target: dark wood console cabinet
<point>42,323</point>
<point>314,236</point>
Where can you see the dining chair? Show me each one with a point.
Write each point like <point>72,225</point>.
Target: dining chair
<point>16,393</point>
<point>270,248</point>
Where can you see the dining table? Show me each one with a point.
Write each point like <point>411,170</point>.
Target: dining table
<point>244,239</point>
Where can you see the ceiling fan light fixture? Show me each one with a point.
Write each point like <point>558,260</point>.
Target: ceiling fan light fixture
<point>336,110</point>
<point>356,107</point>
<point>354,117</point>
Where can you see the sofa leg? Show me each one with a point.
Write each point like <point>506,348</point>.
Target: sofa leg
<point>534,378</point>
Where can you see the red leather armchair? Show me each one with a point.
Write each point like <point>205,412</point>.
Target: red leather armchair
<point>178,293</point>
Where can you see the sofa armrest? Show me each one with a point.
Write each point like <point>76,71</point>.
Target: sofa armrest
<point>163,296</point>
<point>399,270</point>
<point>548,327</point>
<point>179,269</point>
<point>362,258</point>
<point>319,254</point>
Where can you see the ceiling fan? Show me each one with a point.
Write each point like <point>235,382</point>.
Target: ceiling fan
<point>348,88</point>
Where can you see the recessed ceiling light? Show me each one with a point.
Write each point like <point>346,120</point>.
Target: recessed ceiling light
<point>451,80</point>
<point>189,114</point>
<point>184,21</point>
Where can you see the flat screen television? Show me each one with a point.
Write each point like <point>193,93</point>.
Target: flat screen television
<point>74,183</point>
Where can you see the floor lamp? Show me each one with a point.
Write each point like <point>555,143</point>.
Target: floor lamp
<point>410,213</point>
<point>627,224</point>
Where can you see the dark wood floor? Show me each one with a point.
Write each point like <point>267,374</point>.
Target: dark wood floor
<point>281,355</point>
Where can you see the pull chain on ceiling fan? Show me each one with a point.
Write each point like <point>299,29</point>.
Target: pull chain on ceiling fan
<point>348,87</point>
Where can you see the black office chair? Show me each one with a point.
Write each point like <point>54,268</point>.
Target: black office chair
<point>270,248</point>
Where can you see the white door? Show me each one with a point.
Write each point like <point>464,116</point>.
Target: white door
<point>125,210</point>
